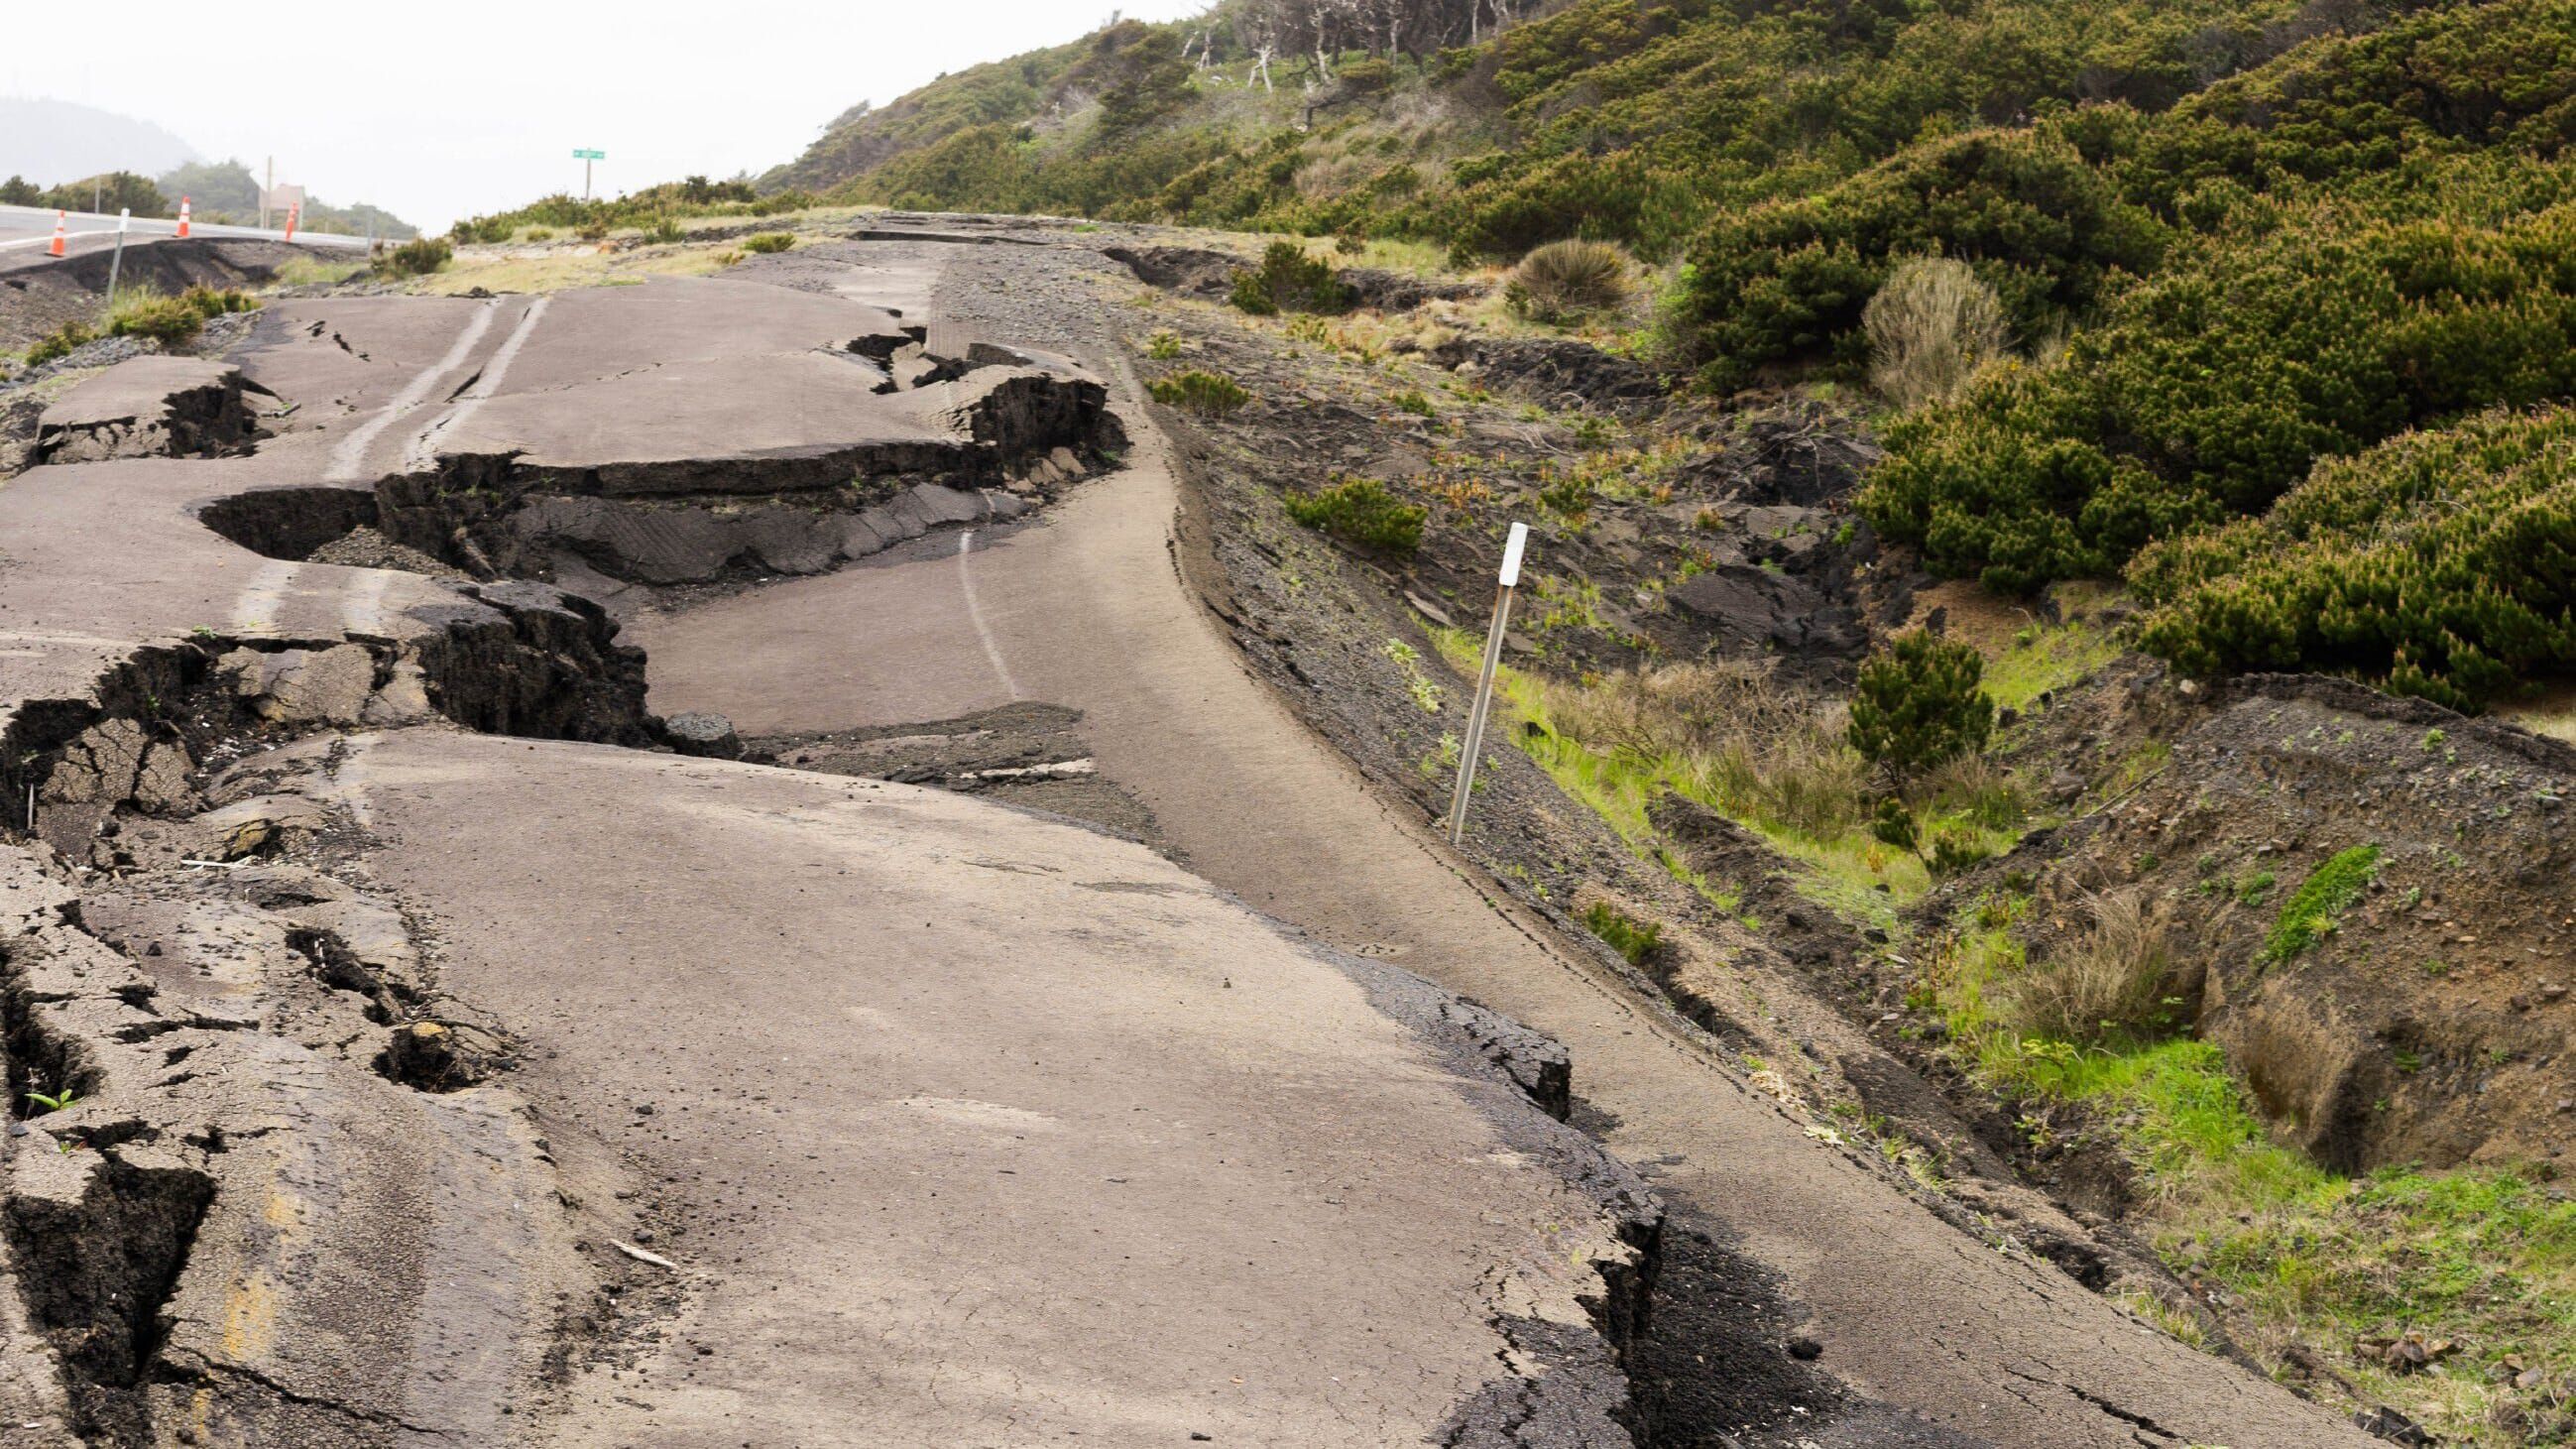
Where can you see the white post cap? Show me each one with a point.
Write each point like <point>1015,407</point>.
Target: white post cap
<point>1512,550</point>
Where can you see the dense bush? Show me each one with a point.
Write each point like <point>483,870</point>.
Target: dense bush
<point>1788,282</point>
<point>2440,564</point>
<point>1364,512</point>
<point>694,196</point>
<point>1567,280</point>
<point>2208,390</point>
<point>170,321</point>
<point>1208,394</point>
<point>417,257</point>
<point>768,241</point>
<point>1931,327</point>
<point>1288,280</point>
<point>1919,703</point>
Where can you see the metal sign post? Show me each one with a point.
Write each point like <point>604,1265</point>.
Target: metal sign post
<point>117,264</point>
<point>1475,743</point>
<point>585,157</point>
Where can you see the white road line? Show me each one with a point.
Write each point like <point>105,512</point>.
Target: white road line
<point>975,612</point>
<point>362,609</point>
<point>349,459</point>
<point>256,611</point>
<point>423,451</point>
<point>48,238</point>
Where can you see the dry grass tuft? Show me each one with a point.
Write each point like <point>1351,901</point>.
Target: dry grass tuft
<point>1567,280</point>
<point>2115,982</point>
<point>1931,326</point>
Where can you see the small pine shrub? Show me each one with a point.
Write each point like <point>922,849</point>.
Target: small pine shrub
<point>1931,326</point>
<point>1361,511</point>
<point>1636,941</point>
<point>170,321</point>
<point>1288,280</point>
<point>1411,400</point>
<point>768,242</point>
<point>1568,280</point>
<point>60,342</point>
<point>1920,703</point>
<point>1163,346</point>
<point>1208,394</point>
<point>664,231</point>
<point>418,257</point>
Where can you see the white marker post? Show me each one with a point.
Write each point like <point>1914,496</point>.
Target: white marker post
<point>116,264</point>
<point>1475,743</point>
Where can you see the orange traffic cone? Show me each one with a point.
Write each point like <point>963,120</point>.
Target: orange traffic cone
<point>292,212</point>
<point>183,216</point>
<point>57,248</point>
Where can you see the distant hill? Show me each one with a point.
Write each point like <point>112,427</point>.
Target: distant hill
<point>49,142</point>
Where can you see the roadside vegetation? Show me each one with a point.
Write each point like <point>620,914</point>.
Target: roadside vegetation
<point>655,209</point>
<point>2451,1295</point>
<point>2125,271</point>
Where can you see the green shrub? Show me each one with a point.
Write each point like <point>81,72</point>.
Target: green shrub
<point>2310,911</point>
<point>1918,704</point>
<point>417,258</point>
<point>768,242</point>
<point>211,303</point>
<point>1568,280</point>
<point>2209,390</point>
<point>1931,327</point>
<point>1636,941</point>
<point>664,231</point>
<point>60,342</point>
<point>1789,282</point>
<point>1208,394</point>
<point>2434,565</point>
<point>170,321</point>
<point>1288,280</point>
<point>1362,511</point>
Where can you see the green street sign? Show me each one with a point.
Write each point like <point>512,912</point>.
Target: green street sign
<point>580,155</point>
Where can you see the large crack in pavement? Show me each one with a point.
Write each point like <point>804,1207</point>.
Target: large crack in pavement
<point>360,1036</point>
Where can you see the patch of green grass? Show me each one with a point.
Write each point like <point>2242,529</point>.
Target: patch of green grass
<point>1845,868</point>
<point>2048,657</point>
<point>1633,939</point>
<point>2310,911</point>
<point>1411,400</point>
<point>767,242</point>
<point>2484,1256</point>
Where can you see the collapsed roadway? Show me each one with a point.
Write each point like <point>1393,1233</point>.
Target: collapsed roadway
<point>451,1048</point>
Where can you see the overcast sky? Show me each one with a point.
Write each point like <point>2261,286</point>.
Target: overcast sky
<point>443,110</point>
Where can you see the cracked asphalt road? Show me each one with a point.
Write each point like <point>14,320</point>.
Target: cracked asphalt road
<point>1089,610</point>
<point>947,1123</point>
